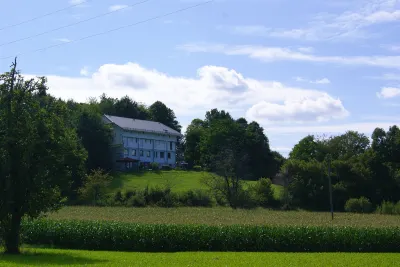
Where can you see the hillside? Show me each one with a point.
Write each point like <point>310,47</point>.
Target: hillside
<point>178,180</point>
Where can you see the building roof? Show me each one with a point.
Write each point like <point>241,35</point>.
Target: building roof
<point>141,125</point>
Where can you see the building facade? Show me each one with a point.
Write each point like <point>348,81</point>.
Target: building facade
<point>140,142</point>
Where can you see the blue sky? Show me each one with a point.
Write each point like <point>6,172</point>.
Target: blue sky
<point>296,67</point>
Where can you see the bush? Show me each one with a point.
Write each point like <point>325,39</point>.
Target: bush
<point>154,166</point>
<point>137,200</point>
<point>358,205</point>
<point>117,236</point>
<point>197,168</point>
<point>389,208</point>
<point>166,168</point>
<point>263,193</point>
<point>95,187</point>
<point>118,198</point>
<point>196,198</point>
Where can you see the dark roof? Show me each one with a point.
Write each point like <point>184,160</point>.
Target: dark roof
<point>141,125</point>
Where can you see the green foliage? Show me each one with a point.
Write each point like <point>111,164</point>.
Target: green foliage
<point>358,205</point>
<point>263,192</point>
<point>39,152</point>
<point>206,140</point>
<point>388,207</point>
<point>117,236</point>
<point>196,198</point>
<point>95,187</point>
<point>154,166</point>
<point>197,168</point>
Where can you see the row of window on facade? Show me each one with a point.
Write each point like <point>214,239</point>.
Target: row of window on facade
<point>130,140</point>
<point>157,154</point>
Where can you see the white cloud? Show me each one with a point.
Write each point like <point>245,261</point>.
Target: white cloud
<point>269,54</point>
<point>351,23</point>
<point>117,7</point>
<point>63,40</point>
<point>76,2</point>
<point>319,81</point>
<point>306,49</point>
<point>388,92</point>
<point>213,87</point>
<point>84,71</point>
<point>323,108</point>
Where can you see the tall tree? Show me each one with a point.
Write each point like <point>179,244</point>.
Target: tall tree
<point>159,112</point>
<point>38,154</point>
<point>193,136</point>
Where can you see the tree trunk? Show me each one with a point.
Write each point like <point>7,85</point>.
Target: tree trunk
<point>13,234</point>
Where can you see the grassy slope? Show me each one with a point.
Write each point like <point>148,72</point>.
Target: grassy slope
<point>179,180</point>
<point>54,257</point>
<point>220,215</point>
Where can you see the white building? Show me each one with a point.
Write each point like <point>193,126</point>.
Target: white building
<point>142,142</point>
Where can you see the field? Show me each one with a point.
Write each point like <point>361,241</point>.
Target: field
<point>54,257</point>
<point>178,180</point>
<point>224,216</point>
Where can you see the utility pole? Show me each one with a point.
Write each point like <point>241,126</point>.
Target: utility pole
<point>330,185</point>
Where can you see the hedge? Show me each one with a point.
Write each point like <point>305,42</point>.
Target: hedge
<point>117,236</point>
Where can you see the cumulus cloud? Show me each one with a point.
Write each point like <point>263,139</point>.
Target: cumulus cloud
<point>213,86</point>
<point>388,92</point>
<point>319,109</point>
<point>270,54</point>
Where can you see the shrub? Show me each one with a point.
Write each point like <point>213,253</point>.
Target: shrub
<point>137,200</point>
<point>166,168</point>
<point>118,198</point>
<point>388,207</point>
<point>154,166</point>
<point>117,236</point>
<point>95,187</point>
<point>197,168</point>
<point>263,193</point>
<point>196,198</point>
<point>358,205</point>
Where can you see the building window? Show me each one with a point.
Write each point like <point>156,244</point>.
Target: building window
<point>170,146</point>
<point>155,154</point>
<point>150,141</point>
<point>148,154</point>
<point>136,140</point>
<point>161,155</point>
<point>169,155</point>
<point>134,152</point>
<point>141,153</point>
<point>126,153</point>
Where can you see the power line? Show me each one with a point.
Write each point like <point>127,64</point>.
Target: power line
<point>73,24</point>
<point>42,16</point>
<point>112,30</point>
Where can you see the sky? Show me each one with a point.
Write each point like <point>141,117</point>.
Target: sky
<point>295,67</point>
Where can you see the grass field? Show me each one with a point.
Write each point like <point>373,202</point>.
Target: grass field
<point>178,180</point>
<point>53,257</point>
<point>224,216</point>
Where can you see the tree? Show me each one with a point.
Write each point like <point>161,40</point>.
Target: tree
<point>228,178</point>
<point>159,112</point>
<point>96,137</point>
<point>193,137</point>
<point>95,186</point>
<point>308,148</point>
<point>38,153</point>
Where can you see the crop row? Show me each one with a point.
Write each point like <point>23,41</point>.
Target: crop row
<point>117,236</point>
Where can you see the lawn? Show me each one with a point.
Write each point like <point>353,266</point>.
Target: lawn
<point>178,180</point>
<point>224,216</point>
<point>54,257</point>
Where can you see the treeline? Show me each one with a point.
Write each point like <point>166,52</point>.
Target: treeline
<point>364,173</point>
<point>210,141</point>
